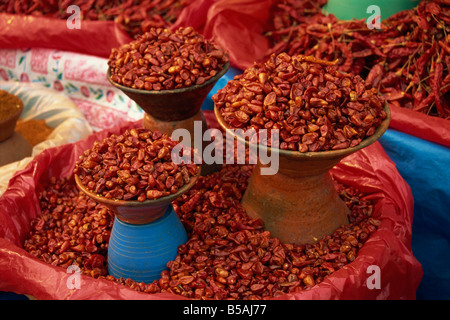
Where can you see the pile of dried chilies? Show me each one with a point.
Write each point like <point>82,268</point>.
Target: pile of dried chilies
<point>407,59</point>
<point>228,254</point>
<point>135,17</point>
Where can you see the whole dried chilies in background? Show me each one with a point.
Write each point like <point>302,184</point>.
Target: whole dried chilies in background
<point>407,60</point>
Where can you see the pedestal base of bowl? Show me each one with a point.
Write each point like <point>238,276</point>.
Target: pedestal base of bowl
<point>141,252</point>
<point>295,209</point>
<point>299,203</point>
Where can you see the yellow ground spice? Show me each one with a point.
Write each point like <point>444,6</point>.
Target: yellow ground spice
<point>35,131</point>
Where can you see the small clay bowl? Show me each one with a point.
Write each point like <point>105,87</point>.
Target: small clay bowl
<point>169,110</point>
<point>136,212</point>
<point>7,126</point>
<point>171,105</point>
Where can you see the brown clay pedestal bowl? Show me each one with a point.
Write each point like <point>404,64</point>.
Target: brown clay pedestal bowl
<point>168,110</point>
<point>136,212</point>
<point>299,203</point>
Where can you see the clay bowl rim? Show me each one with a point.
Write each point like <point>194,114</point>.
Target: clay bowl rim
<point>171,91</point>
<point>134,203</point>
<point>328,154</point>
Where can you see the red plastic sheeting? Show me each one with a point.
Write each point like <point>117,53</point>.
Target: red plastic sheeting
<point>95,38</point>
<point>370,170</point>
<point>420,125</point>
<point>238,26</point>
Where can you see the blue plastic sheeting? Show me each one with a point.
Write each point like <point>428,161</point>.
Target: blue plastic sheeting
<point>12,296</point>
<point>425,167</point>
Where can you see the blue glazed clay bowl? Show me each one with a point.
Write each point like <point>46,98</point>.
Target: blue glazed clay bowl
<point>145,235</point>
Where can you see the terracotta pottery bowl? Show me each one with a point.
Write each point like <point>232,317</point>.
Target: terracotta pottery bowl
<point>299,203</point>
<point>168,110</point>
<point>136,212</point>
<point>171,105</point>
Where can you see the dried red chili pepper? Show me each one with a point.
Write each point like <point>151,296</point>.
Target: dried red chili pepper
<point>425,103</point>
<point>423,60</point>
<point>438,70</point>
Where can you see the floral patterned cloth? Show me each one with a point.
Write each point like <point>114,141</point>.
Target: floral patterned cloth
<point>81,77</point>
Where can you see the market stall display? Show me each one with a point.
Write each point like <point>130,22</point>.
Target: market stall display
<point>224,251</point>
<point>211,203</point>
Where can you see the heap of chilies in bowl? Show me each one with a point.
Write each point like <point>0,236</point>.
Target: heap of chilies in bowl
<point>136,165</point>
<point>161,59</point>
<point>407,60</point>
<point>314,106</point>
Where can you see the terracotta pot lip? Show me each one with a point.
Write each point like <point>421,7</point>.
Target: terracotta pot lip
<point>329,154</point>
<point>172,91</point>
<point>134,203</point>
